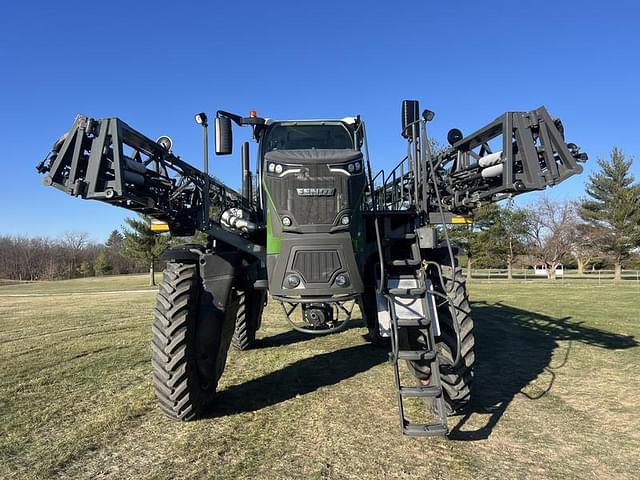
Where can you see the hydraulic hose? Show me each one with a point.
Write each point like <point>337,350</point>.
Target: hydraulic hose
<point>379,288</point>
<point>434,181</point>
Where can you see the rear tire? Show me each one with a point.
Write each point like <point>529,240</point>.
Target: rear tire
<point>190,340</point>
<point>457,379</point>
<point>250,306</point>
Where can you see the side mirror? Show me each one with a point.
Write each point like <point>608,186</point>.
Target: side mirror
<point>224,136</point>
<point>410,115</point>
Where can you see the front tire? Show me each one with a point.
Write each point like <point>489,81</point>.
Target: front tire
<point>190,340</point>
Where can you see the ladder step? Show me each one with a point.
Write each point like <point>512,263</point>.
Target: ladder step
<point>401,236</point>
<point>397,213</point>
<point>421,322</point>
<point>416,354</point>
<point>424,430</point>
<point>408,262</point>
<point>260,284</point>
<point>422,391</point>
<point>414,292</point>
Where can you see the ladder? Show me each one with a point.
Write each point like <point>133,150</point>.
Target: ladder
<point>414,326</point>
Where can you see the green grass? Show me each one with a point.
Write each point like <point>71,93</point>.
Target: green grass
<point>77,285</point>
<point>557,393</point>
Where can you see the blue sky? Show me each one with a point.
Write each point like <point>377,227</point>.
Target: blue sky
<point>155,64</point>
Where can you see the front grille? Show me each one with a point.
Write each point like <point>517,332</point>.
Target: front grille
<point>313,210</point>
<point>313,175</point>
<point>316,266</point>
<point>310,209</point>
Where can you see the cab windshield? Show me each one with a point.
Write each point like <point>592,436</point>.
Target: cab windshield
<point>307,137</point>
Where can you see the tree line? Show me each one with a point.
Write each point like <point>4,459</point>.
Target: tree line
<point>133,249</point>
<point>71,256</point>
<point>601,229</point>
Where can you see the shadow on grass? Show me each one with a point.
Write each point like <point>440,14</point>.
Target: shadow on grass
<point>299,378</point>
<point>293,336</point>
<point>513,347</point>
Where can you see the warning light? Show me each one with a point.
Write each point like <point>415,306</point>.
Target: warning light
<point>159,227</point>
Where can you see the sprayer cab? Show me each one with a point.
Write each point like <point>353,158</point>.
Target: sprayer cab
<point>312,183</point>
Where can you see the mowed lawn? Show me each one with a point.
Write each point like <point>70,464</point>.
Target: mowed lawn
<point>557,394</point>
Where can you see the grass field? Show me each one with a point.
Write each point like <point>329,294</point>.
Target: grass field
<point>82,286</point>
<point>557,393</point>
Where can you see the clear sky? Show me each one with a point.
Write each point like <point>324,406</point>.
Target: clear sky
<point>155,64</point>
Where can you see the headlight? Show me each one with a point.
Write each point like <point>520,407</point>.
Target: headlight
<point>346,220</point>
<point>293,281</point>
<point>282,169</point>
<point>286,221</point>
<point>352,168</point>
<point>342,280</point>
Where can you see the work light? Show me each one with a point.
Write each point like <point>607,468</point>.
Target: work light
<point>201,118</point>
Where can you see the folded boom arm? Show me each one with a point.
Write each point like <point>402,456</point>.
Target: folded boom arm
<point>529,153</point>
<point>518,152</point>
<point>108,161</point>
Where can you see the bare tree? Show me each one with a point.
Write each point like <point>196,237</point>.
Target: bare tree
<point>551,232</point>
<point>587,245</point>
<point>75,243</point>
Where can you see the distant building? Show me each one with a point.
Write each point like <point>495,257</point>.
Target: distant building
<point>540,270</point>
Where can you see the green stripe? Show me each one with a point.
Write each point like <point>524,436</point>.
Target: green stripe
<point>273,241</point>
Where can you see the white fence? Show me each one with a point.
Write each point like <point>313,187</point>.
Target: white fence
<point>596,276</point>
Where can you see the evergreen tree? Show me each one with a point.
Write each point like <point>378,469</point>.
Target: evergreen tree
<point>506,237</point>
<point>613,206</point>
<point>142,244</point>
<point>102,265</point>
<point>118,263</point>
<point>115,242</point>
<point>472,238</point>
<point>85,268</point>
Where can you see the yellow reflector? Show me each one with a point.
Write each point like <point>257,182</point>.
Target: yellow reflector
<point>459,220</point>
<point>159,227</point>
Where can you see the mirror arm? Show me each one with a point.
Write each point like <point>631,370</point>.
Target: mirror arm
<point>237,119</point>
<point>240,121</point>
